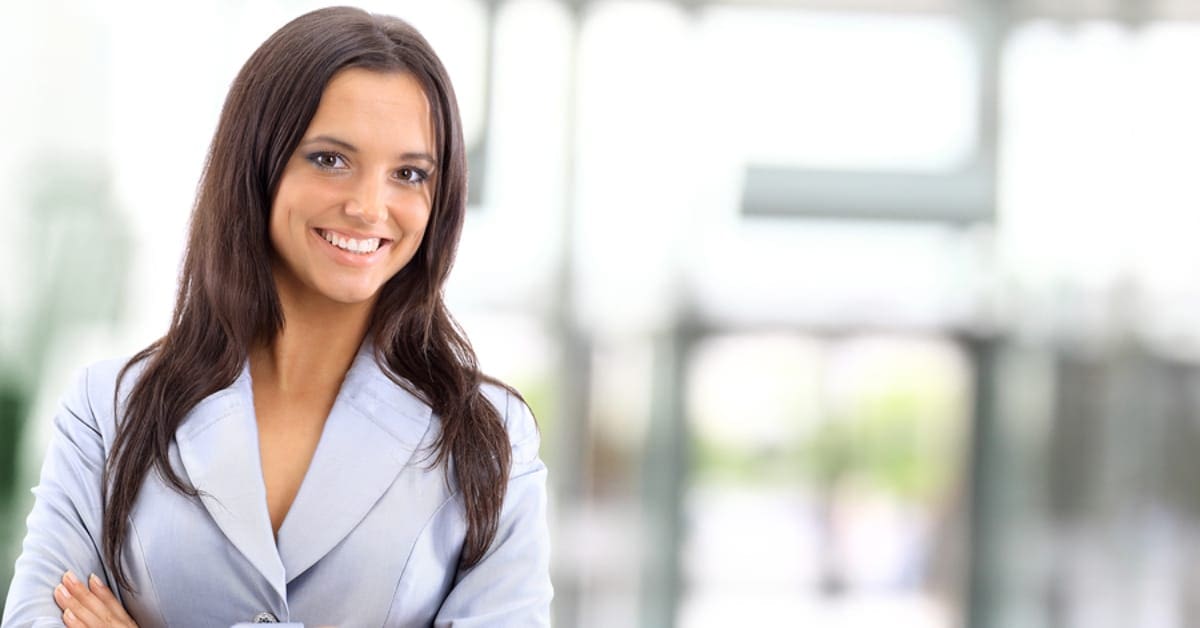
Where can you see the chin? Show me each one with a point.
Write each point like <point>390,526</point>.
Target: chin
<point>350,295</point>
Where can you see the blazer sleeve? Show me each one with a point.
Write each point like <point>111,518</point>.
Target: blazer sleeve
<point>510,585</point>
<point>63,529</point>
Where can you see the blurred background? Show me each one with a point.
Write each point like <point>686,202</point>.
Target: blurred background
<point>834,313</point>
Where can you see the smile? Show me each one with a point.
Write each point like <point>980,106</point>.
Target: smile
<point>361,246</point>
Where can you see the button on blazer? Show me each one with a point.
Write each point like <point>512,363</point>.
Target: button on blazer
<point>372,539</point>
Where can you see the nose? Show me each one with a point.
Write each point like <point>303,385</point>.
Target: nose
<point>369,202</point>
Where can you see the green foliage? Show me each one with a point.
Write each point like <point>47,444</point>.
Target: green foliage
<point>898,437</point>
<point>897,441</point>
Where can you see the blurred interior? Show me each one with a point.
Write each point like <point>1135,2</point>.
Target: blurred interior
<point>833,313</point>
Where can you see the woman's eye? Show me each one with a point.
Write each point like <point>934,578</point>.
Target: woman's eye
<point>327,161</point>
<point>412,175</point>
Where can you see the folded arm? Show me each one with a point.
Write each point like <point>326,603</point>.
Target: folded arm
<point>63,529</point>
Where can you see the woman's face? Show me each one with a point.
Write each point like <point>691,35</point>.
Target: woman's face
<point>354,199</point>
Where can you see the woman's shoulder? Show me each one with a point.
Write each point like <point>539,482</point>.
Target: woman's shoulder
<point>104,376</point>
<point>92,395</point>
<point>518,420</point>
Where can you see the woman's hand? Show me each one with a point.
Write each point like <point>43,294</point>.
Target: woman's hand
<point>92,605</point>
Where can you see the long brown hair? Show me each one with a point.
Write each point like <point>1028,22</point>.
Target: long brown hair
<point>227,301</point>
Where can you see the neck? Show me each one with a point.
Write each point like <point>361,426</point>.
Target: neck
<point>315,347</point>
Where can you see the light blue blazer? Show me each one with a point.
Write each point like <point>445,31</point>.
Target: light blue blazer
<point>372,538</point>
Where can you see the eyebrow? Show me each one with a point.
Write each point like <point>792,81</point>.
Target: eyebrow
<point>343,144</point>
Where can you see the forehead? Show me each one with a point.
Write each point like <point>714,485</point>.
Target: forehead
<point>375,108</point>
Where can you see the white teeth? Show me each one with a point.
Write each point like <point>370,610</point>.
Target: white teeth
<point>369,245</point>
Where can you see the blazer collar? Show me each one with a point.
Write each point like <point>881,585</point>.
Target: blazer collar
<point>371,434</point>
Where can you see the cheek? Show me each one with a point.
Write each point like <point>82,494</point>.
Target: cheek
<point>280,210</point>
<point>295,203</point>
<point>412,216</point>
<point>276,227</point>
<point>280,226</point>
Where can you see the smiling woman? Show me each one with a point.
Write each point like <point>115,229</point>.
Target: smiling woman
<point>311,440</point>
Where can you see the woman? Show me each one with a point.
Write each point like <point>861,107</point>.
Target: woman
<point>312,440</point>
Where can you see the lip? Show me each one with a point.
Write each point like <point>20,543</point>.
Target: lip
<point>346,258</point>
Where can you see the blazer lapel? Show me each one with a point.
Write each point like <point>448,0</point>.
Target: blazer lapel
<point>371,434</point>
<point>218,445</point>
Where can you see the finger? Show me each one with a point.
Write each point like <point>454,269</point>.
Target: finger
<point>90,606</point>
<point>110,601</point>
<point>73,610</point>
<point>71,620</point>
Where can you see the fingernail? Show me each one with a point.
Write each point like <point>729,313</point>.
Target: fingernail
<point>69,615</point>
<point>95,581</point>
<point>66,593</point>
<point>72,578</point>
